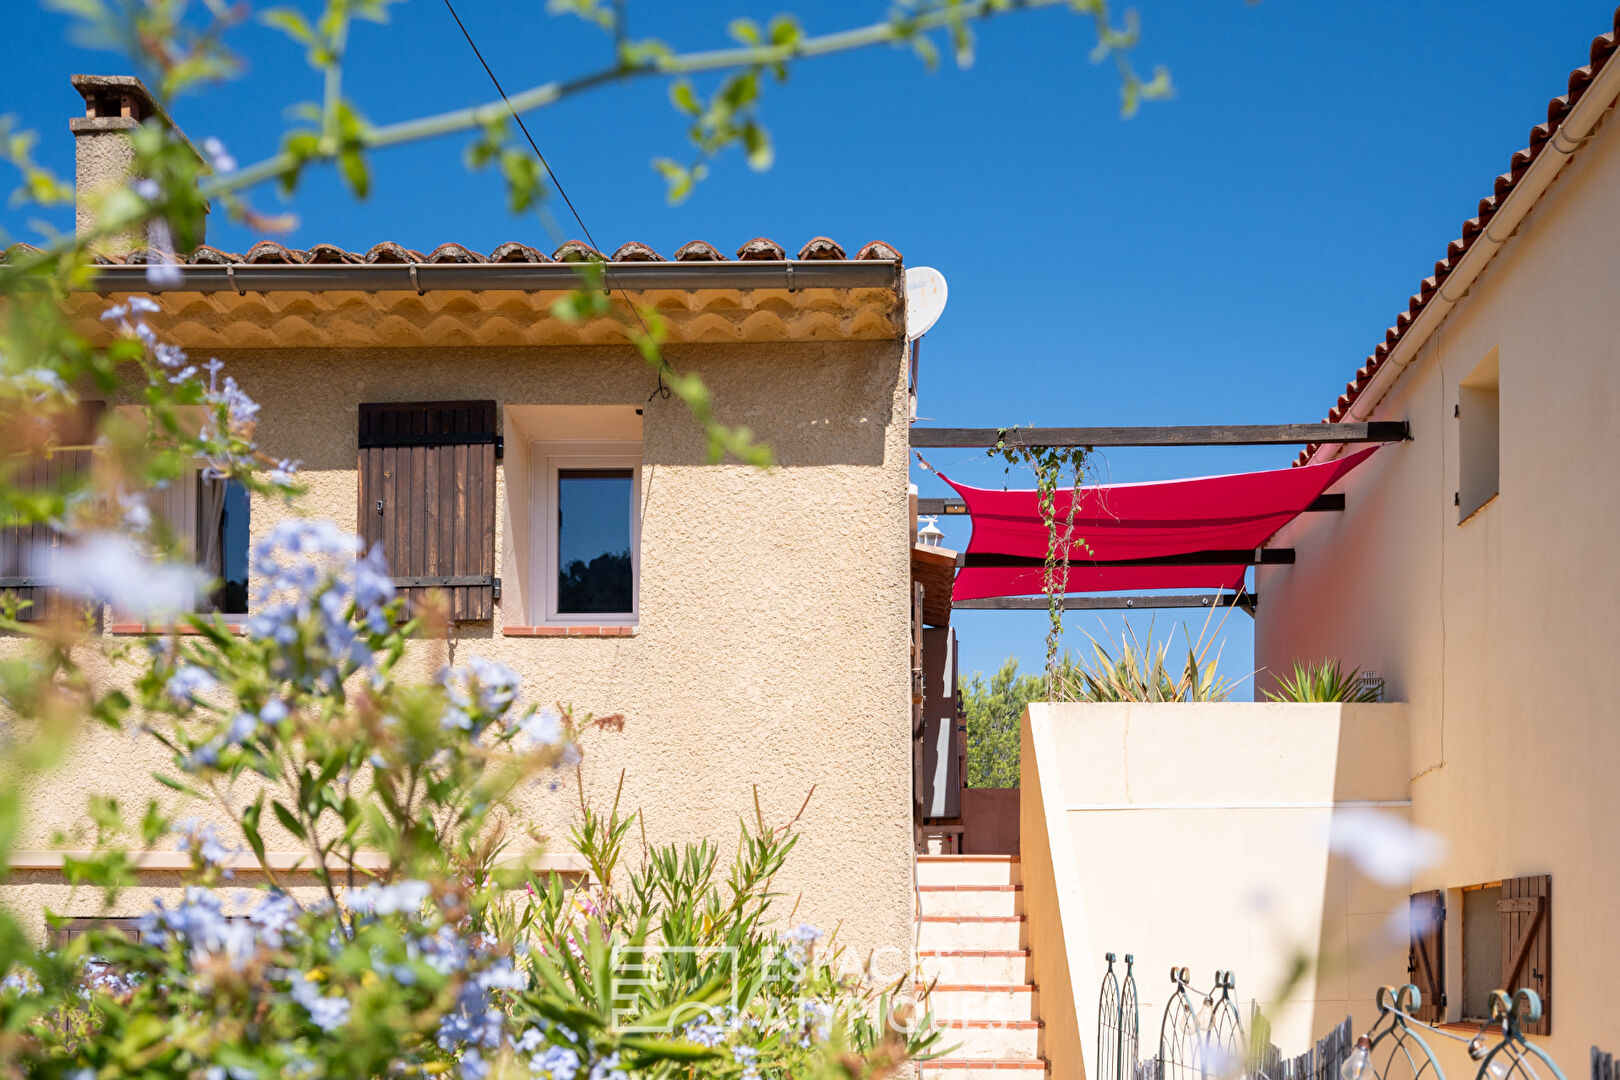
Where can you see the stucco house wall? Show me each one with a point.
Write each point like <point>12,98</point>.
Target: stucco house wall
<point>772,645</point>
<point>1499,631</point>
<point>1198,835</point>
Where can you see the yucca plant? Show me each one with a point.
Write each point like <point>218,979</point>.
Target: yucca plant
<point>1322,680</point>
<point>1137,670</point>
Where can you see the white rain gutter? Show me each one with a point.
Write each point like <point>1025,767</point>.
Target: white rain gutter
<point>789,274</point>
<point>1577,127</point>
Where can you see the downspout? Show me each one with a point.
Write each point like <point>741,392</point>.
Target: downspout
<point>1577,127</point>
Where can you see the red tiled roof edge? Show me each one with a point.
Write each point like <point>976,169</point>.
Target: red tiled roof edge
<point>1602,50</point>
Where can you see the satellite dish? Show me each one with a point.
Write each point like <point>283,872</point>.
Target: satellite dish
<point>925,299</point>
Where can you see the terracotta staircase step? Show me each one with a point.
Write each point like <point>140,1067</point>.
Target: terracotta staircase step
<point>970,899</point>
<point>970,932</point>
<point>974,965</point>
<point>967,870</point>
<point>1015,1040</point>
<point>983,1001</point>
<point>981,1069</point>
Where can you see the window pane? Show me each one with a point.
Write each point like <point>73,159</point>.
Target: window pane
<point>222,543</point>
<point>234,543</point>
<point>594,574</point>
<point>1482,951</point>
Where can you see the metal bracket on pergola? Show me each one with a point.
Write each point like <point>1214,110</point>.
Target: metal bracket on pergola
<point>1377,431</point>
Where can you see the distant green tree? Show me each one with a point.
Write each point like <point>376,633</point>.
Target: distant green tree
<point>994,710</point>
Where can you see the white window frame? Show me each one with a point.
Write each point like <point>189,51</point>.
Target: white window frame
<point>549,458</point>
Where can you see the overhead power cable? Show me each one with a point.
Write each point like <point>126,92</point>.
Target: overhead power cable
<point>662,390</point>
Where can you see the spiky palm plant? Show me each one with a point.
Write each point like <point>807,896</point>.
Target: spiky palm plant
<point>1322,680</point>
<point>1136,670</point>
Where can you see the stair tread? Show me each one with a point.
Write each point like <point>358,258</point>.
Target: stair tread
<point>973,952</point>
<point>970,888</point>
<point>970,918</point>
<point>967,858</point>
<point>1015,1025</point>
<point>1011,988</point>
<point>983,1063</point>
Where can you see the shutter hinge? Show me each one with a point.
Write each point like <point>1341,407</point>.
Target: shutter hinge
<point>500,447</point>
<point>1456,410</point>
<point>497,594</point>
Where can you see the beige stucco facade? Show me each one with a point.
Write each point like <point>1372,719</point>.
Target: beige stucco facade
<point>772,645</point>
<point>1499,630</point>
<point>1198,835</point>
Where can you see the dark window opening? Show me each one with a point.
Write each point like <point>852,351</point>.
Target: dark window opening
<point>595,575</point>
<point>222,543</point>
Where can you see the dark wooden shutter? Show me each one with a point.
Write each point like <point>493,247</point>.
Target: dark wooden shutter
<point>427,494</point>
<point>1526,908</point>
<point>60,936</point>
<point>28,549</point>
<point>1426,962</point>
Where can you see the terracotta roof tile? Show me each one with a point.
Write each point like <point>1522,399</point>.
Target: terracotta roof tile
<point>268,251</point>
<point>761,247</point>
<point>454,253</point>
<point>390,252</point>
<point>1601,52</point>
<point>698,251</point>
<point>877,249</point>
<point>576,251</point>
<point>328,253</point>
<point>820,247</point>
<point>635,251</point>
<point>211,256</point>
<point>514,252</point>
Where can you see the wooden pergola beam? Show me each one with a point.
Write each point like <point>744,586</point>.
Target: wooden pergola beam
<point>956,507</point>
<point>1377,431</point>
<point>1247,601</point>
<point>987,560</point>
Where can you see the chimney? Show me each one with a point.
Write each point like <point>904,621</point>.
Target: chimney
<point>104,157</point>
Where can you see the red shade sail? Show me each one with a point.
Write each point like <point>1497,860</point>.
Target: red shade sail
<point>1116,523</point>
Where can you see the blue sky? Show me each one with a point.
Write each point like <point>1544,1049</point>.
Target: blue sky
<point>1230,256</point>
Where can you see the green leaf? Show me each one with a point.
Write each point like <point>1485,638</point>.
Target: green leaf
<point>757,142</point>
<point>668,1049</point>
<point>288,821</point>
<point>250,826</point>
<point>744,30</point>
<point>291,21</point>
<point>684,98</point>
<point>352,164</point>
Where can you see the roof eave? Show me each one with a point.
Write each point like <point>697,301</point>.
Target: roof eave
<point>789,274</point>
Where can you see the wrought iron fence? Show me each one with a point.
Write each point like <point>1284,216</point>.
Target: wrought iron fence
<point>1395,1048</point>
<point>1208,1041</point>
<point>1200,1035</point>
<point>1602,1065</point>
<point>1117,1020</point>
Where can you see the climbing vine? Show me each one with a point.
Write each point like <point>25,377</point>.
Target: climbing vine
<point>1051,464</point>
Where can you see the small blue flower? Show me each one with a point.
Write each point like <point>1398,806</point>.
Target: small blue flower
<point>187,682</point>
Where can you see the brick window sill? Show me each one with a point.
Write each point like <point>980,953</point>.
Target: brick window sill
<point>182,628</point>
<point>570,631</point>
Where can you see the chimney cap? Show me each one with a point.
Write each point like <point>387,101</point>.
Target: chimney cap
<point>120,97</point>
